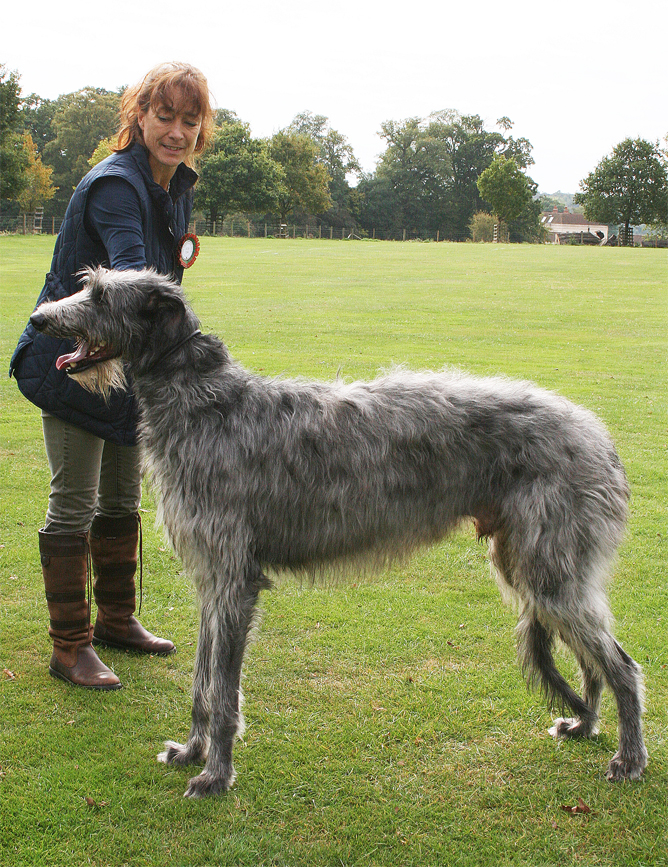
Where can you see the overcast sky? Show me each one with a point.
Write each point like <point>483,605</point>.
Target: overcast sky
<point>576,77</point>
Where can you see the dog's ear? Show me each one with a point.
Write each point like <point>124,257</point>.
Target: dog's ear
<point>166,309</point>
<point>160,301</point>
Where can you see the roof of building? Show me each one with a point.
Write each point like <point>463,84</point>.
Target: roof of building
<point>554,218</point>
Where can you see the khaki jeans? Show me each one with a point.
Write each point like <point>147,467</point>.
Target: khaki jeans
<point>89,476</point>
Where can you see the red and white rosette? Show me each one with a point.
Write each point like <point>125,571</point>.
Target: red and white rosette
<point>188,249</point>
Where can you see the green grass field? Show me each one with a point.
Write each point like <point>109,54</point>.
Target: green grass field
<point>387,721</point>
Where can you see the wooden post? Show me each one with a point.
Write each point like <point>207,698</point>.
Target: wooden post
<point>331,232</point>
<point>320,231</point>
<point>404,234</point>
<point>438,235</point>
<point>265,230</point>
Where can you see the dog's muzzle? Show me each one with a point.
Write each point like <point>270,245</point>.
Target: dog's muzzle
<point>38,320</point>
<point>84,355</point>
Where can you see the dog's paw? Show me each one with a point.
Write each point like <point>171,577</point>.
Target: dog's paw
<point>629,768</point>
<point>206,785</point>
<point>572,728</point>
<point>181,754</point>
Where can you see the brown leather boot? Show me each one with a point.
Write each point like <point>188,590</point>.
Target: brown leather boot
<point>64,560</point>
<point>113,548</point>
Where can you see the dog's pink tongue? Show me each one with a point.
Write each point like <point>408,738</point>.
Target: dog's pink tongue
<point>72,357</point>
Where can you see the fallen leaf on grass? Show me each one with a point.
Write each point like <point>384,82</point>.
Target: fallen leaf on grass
<point>9,674</point>
<point>92,803</point>
<point>580,807</point>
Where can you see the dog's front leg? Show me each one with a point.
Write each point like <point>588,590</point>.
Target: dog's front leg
<point>196,747</point>
<point>233,619</point>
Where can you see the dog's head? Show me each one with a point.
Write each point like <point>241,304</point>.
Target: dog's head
<point>118,316</point>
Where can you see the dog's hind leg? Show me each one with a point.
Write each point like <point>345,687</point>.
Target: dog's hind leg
<point>234,617</point>
<point>535,642</point>
<point>592,683</point>
<point>597,648</point>
<point>601,659</point>
<point>624,677</point>
<point>196,747</point>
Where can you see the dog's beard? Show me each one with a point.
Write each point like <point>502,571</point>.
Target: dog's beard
<point>101,378</point>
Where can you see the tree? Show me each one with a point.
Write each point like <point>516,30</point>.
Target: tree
<point>81,120</point>
<point>528,226</point>
<point>472,148</point>
<point>237,173</point>
<point>305,183</point>
<point>10,95</point>
<point>377,204</point>
<point>37,119</point>
<point>338,157</point>
<point>505,186</point>
<point>629,187</point>
<point>13,159</point>
<point>104,149</point>
<point>417,166</point>
<point>427,177</point>
<point>38,189</point>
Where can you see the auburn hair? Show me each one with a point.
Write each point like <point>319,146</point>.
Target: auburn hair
<point>159,87</point>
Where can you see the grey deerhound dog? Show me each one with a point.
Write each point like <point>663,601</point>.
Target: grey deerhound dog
<point>260,474</point>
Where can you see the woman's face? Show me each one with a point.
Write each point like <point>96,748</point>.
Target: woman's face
<point>170,135</point>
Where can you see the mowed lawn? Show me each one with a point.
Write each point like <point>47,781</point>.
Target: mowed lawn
<point>387,720</point>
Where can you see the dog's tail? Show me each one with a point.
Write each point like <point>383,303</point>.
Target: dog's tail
<point>534,645</point>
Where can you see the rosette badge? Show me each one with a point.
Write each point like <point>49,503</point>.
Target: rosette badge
<point>188,249</point>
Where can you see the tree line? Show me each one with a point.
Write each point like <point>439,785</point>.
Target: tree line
<point>445,175</point>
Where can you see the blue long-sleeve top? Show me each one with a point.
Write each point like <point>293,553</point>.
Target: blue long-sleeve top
<point>113,215</point>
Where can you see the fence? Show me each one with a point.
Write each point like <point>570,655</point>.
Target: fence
<point>30,224</point>
<point>240,228</point>
<point>237,227</point>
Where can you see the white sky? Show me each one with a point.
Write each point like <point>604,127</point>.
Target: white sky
<point>575,76</point>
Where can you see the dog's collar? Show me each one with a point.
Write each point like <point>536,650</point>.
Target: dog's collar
<point>173,349</point>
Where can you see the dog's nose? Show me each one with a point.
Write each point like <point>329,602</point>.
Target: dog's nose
<point>37,320</point>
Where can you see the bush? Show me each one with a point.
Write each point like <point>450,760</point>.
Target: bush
<point>481,226</point>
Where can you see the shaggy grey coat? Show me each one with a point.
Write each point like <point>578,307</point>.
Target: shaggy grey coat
<point>257,474</point>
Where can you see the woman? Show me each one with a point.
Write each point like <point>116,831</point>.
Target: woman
<point>131,211</point>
